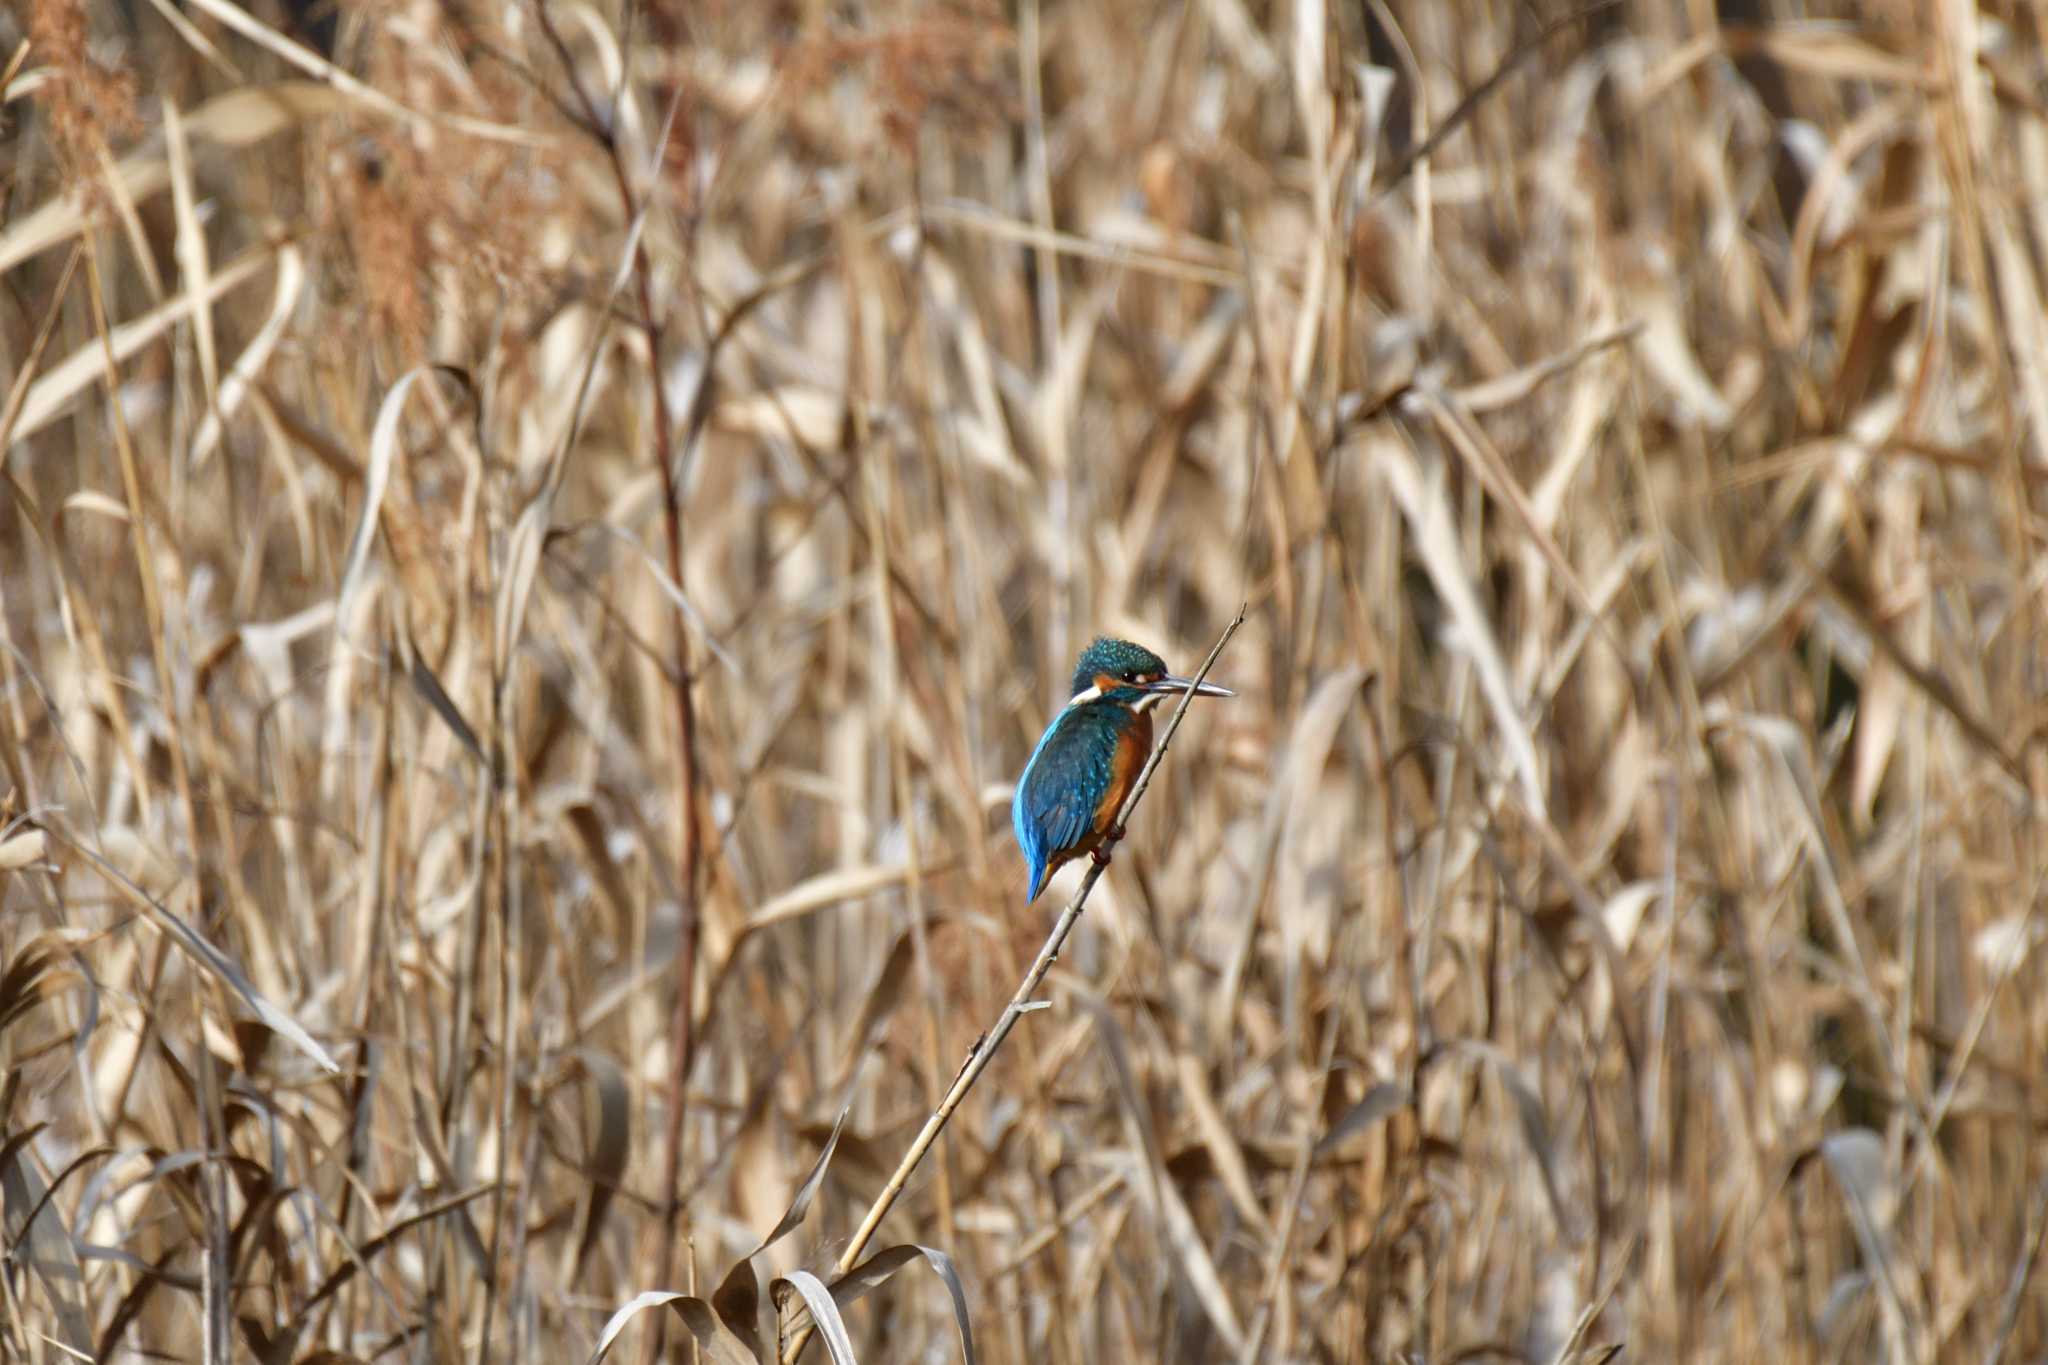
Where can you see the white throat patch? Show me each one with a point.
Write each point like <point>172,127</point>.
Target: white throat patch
<point>1141,705</point>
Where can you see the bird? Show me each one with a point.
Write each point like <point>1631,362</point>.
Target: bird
<point>1084,765</point>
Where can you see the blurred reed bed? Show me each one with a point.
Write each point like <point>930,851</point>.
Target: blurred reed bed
<point>513,514</point>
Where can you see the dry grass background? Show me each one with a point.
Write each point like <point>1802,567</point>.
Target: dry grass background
<point>1606,919</point>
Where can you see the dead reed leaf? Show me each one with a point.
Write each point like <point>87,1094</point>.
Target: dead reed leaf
<point>825,889</point>
<point>1624,910</point>
<point>383,452</point>
<point>881,1001</point>
<point>1220,1142</point>
<point>40,1241</point>
<point>1668,354</point>
<point>718,1344</point>
<point>1509,389</point>
<point>1534,1125</point>
<point>22,849</point>
<point>1191,1255</point>
<point>190,248</point>
<point>1290,798</point>
<point>824,1313</point>
<point>50,396</point>
<point>1428,515</point>
<point>58,221</point>
<point>1382,1101</point>
<point>800,1203</point>
<point>879,1268</point>
<point>368,96</point>
<point>605,1150</point>
<point>291,278</point>
<point>1857,1159</point>
<point>209,959</point>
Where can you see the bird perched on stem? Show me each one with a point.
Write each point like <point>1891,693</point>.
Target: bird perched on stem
<point>1087,759</point>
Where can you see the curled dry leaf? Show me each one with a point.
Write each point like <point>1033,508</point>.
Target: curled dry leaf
<point>720,1347</point>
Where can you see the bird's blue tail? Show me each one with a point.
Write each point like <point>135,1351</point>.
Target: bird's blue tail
<point>1027,843</point>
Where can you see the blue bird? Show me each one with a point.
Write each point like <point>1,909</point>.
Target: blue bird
<point>1090,755</point>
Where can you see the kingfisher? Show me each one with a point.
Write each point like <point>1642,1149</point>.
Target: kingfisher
<point>1090,755</point>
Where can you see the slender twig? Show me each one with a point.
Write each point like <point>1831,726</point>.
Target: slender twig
<point>1021,1003</point>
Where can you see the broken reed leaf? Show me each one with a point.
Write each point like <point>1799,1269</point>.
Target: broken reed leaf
<point>743,1307</point>
<point>211,960</point>
<point>429,688</point>
<point>737,1301</point>
<point>1221,1143</point>
<point>720,1346</point>
<point>825,1318</point>
<point>23,984</point>
<point>1424,506</point>
<point>1382,1101</point>
<point>383,451</point>
<point>879,1268</point>
<point>800,1204</point>
<point>239,118</point>
<point>877,1006</point>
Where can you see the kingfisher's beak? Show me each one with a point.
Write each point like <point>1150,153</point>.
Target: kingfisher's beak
<point>1171,686</point>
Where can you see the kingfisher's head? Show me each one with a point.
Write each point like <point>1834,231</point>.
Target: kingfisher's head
<point>1119,671</point>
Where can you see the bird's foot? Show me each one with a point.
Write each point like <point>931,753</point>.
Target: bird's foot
<point>1100,853</point>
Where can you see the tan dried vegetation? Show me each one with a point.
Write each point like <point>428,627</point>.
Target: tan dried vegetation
<point>518,514</point>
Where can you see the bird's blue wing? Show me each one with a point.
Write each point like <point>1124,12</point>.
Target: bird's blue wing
<point>1057,796</point>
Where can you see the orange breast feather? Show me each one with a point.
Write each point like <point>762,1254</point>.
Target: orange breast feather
<point>1133,746</point>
